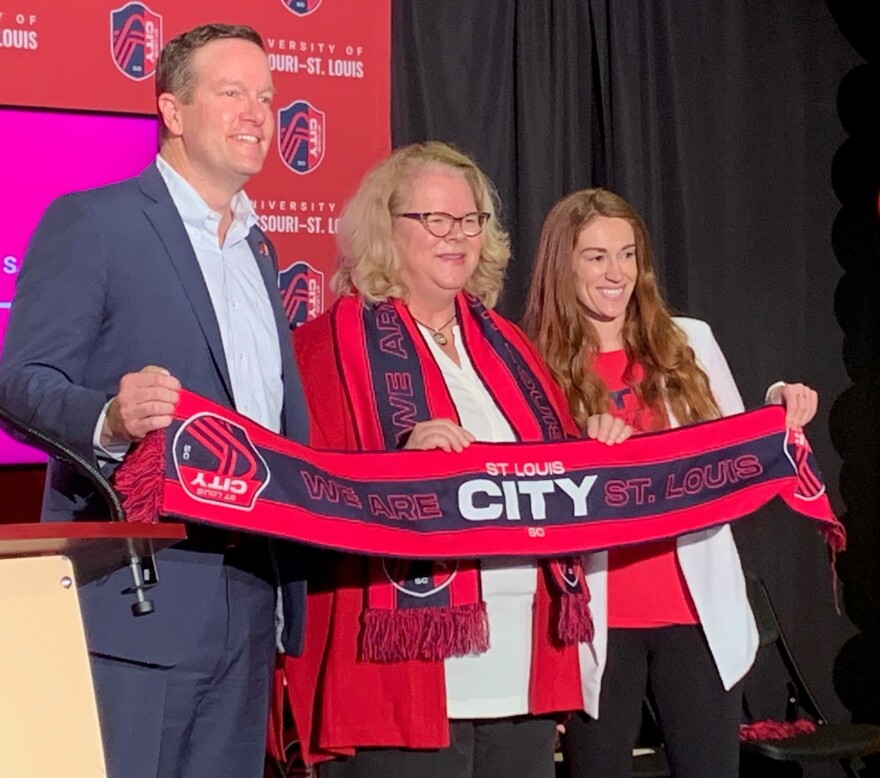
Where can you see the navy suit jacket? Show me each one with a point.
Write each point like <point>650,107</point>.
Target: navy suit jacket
<point>110,283</point>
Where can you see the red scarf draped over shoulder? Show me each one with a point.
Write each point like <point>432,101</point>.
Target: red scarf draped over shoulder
<point>348,359</point>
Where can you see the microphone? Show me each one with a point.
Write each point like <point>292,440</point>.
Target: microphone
<point>143,569</point>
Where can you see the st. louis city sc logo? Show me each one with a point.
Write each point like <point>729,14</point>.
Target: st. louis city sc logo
<point>301,136</point>
<point>135,40</point>
<point>217,463</point>
<point>302,293</point>
<point>419,578</point>
<point>810,485</point>
<point>301,7</point>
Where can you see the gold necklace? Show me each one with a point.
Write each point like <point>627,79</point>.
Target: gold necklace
<point>439,338</point>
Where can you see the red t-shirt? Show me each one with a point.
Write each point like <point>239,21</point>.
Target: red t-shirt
<point>646,587</point>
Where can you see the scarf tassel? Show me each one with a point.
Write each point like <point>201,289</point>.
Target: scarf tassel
<point>575,623</point>
<point>425,633</point>
<point>139,479</point>
<point>776,730</point>
<point>835,536</point>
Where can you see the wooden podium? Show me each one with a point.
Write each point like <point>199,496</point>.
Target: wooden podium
<point>48,716</point>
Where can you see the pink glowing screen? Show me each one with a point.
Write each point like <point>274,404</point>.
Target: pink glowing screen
<point>49,154</point>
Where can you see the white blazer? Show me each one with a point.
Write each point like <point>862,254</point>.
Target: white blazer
<point>709,561</point>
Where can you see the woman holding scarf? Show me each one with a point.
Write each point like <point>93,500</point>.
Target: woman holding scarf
<point>446,668</point>
<point>671,614</point>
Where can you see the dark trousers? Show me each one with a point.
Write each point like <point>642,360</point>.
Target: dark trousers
<point>207,715</point>
<point>519,747</point>
<point>700,721</point>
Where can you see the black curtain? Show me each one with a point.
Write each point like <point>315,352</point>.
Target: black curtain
<point>718,120</point>
<point>855,418</point>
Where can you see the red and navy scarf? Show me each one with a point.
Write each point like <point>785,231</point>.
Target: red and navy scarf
<point>493,499</point>
<point>542,499</point>
<point>432,609</point>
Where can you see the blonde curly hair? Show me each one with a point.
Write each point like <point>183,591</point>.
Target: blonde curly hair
<point>369,263</point>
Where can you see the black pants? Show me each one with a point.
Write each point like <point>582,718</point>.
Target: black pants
<point>519,747</point>
<point>700,721</point>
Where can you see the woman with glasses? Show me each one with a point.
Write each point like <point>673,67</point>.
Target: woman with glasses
<point>443,668</point>
<point>672,615</point>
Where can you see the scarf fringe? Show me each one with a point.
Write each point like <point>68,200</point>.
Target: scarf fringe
<point>835,536</point>
<point>139,479</point>
<point>776,730</point>
<point>575,623</point>
<point>425,633</point>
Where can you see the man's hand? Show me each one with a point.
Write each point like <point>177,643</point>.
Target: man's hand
<point>439,433</point>
<point>607,429</point>
<point>144,402</point>
<point>799,400</point>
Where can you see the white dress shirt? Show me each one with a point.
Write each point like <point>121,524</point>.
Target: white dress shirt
<point>240,302</point>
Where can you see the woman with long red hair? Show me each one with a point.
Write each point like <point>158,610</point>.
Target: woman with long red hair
<point>672,614</point>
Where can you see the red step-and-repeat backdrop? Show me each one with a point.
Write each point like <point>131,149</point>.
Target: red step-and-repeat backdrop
<point>77,92</point>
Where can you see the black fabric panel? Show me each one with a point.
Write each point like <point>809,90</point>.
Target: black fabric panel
<point>451,66</point>
<point>855,417</point>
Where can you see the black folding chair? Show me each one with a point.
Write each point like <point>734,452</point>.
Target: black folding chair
<point>290,767</point>
<point>649,755</point>
<point>843,743</point>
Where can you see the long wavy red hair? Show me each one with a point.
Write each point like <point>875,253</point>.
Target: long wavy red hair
<point>565,336</point>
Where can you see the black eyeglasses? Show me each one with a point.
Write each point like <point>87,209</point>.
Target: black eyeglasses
<point>440,224</point>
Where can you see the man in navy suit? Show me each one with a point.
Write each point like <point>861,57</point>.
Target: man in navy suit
<point>127,293</point>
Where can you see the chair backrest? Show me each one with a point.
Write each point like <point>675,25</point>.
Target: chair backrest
<point>765,616</point>
<point>770,634</point>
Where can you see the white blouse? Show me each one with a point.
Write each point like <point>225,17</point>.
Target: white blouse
<point>494,684</point>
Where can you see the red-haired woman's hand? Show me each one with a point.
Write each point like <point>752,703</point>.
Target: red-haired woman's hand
<point>607,429</point>
<point>799,400</point>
